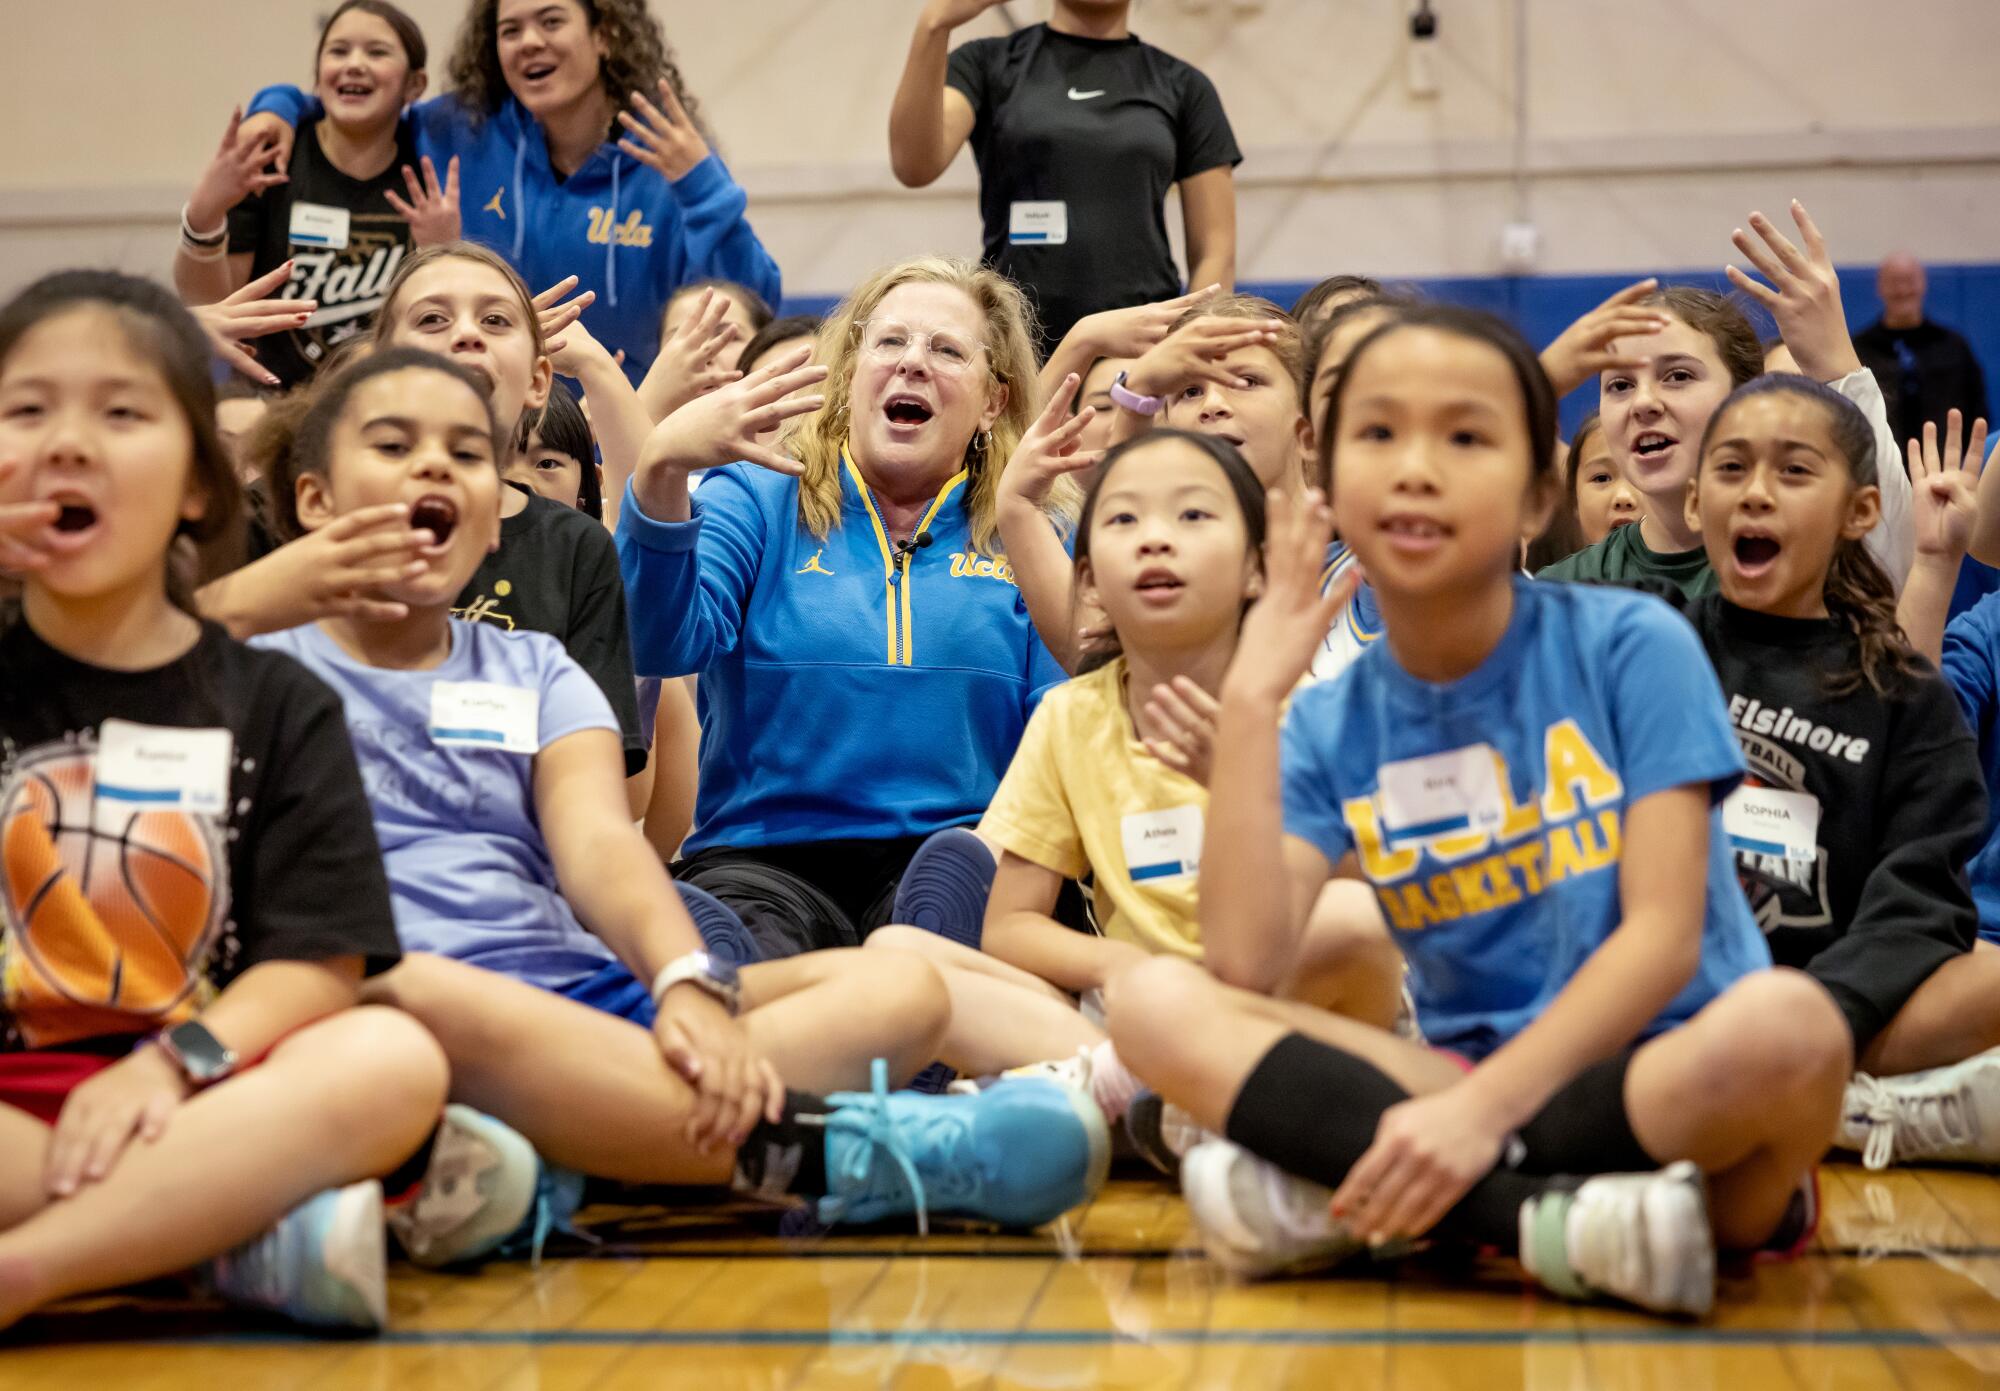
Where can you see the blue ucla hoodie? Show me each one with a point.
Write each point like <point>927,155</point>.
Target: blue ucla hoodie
<point>850,689</point>
<point>618,226</point>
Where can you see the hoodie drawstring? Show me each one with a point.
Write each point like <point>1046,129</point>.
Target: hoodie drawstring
<point>520,203</point>
<point>611,242</point>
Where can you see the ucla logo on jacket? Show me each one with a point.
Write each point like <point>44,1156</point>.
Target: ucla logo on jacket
<point>631,232</point>
<point>965,564</point>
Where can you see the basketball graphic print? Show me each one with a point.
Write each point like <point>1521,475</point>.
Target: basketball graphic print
<point>109,915</point>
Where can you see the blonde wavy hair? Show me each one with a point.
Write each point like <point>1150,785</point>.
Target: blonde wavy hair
<point>816,440</point>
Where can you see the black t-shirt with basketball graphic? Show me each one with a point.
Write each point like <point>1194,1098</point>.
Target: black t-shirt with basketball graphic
<point>343,238</point>
<point>162,831</point>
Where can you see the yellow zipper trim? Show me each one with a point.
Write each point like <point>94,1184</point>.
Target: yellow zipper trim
<point>909,638</point>
<point>888,554</point>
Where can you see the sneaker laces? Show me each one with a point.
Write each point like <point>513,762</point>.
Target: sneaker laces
<point>870,1118</point>
<point>558,1194</point>
<point>257,1271</point>
<point>1935,1121</point>
<point>1598,1228</point>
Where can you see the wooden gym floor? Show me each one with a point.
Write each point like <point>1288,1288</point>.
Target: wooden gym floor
<point>1902,1289</point>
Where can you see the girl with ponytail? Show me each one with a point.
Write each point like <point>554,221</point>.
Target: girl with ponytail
<point>1852,833</point>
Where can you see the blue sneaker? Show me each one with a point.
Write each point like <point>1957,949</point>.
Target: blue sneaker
<point>324,1263</point>
<point>722,932</point>
<point>945,887</point>
<point>1020,1153</point>
<point>477,1191</point>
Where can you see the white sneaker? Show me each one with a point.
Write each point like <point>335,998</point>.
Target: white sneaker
<point>1256,1219</point>
<point>323,1263</point>
<point>477,1191</point>
<point>1642,1238</point>
<point>1950,1113</point>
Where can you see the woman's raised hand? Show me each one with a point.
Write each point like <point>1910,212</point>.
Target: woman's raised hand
<point>432,208</point>
<point>724,426</point>
<point>1803,296</point>
<point>248,314</point>
<point>241,166</point>
<point>662,137</point>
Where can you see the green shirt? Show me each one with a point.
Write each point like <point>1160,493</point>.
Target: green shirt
<point>1623,557</point>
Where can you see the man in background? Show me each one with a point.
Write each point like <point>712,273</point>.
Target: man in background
<point>1924,369</point>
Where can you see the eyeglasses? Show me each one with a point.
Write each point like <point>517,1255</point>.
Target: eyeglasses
<point>886,341</point>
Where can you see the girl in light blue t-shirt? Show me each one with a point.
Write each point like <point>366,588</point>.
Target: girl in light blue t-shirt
<point>496,783</point>
<point>1484,768</point>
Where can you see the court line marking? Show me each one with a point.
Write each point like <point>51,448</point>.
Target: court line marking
<point>1693,1335</point>
<point>1104,1253</point>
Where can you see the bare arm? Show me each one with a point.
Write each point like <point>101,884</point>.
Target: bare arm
<point>669,813</point>
<point>617,417</point>
<point>606,870</point>
<point>1945,480</point>
<point>1208,215</point>
<point>1020,932</point>
<point>929,120</point>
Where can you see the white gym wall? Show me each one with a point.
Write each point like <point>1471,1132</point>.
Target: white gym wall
<point>1650,129</point>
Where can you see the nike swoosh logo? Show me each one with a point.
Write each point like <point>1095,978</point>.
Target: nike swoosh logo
<point>1075,95</point>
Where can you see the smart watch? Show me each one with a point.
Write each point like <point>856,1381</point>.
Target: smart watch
<point>1132,401</point>
<point>712,975</point>
<point>199,1054</point>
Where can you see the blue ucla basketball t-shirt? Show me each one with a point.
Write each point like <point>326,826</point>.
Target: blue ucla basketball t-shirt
<point>1489,812</point>
<point>447,756</point>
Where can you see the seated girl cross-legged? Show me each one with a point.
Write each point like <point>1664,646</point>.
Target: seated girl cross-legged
<point>191,894</point>
<point>1484,767</point>
<point>1169,547</point>
<point>492,765</point>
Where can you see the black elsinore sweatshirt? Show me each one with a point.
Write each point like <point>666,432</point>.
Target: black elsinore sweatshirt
<point>1902,806</point>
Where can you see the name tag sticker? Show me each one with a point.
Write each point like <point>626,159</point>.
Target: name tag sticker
<point>1163,845</point>
<point>1442,794</point>
<point>1045,224</point>
<point>482,715</point>
<point>316,224</point>
<point>1770,821</point>
<point>143,767</point>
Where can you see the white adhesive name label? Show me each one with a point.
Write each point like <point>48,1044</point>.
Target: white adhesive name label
<point>1442,794</point>
<point>316,224</point>
<point>1161,846</point>
<point>1038,224</point>
<point>482,715</point>
<point>1771,821</point>
<point>142,767</point>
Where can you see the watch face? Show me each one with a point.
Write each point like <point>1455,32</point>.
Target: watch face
<point>201,1053</point>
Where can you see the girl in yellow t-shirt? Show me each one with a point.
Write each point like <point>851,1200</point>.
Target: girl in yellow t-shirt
<point>1109,779</point>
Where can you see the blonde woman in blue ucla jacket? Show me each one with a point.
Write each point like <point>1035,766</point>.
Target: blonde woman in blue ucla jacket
<point>867,664</point>
<point>538,88</point>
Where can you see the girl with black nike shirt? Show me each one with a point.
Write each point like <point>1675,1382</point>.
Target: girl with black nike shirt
<point>1079,130</point>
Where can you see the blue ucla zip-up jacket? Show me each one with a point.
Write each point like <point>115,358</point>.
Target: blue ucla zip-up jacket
<point>849,689</point>
<point>615,224</point>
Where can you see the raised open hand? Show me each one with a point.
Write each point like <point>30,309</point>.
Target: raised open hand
<point>432,208</point>
<point>1803,296</point>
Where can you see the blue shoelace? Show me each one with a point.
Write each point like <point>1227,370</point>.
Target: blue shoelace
<point>870,1118</point>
